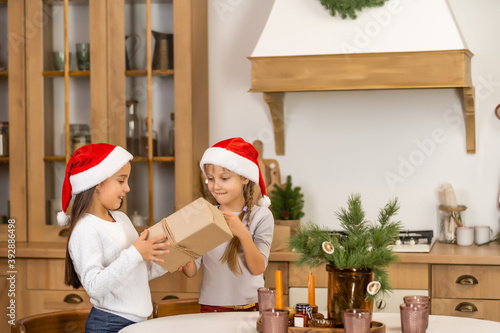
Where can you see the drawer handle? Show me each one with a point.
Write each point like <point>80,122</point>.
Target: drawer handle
<point>169,297</point>
<point>466,280</point>
<point>64,232</point>
<point>73,299</point>
<point>466,307</point>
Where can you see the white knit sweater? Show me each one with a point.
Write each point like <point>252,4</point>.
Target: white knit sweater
<point>110,268</point>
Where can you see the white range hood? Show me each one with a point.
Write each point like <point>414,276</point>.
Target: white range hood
<point>404,44</point>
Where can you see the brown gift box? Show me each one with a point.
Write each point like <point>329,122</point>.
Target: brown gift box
<point>192,231</point>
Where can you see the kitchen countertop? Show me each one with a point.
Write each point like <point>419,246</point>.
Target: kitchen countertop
<point>440,253</point>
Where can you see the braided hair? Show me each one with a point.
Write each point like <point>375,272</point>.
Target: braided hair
<point>231,254</point>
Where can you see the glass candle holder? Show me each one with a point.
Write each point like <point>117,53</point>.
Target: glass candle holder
<point>357,321</point>
<point>266,298</point>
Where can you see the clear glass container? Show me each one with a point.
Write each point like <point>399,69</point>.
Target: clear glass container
<point>79,136</point>
<point>144,140</point>
<point>133,129</point>
<point>4,139</point>
<point>450,218</point>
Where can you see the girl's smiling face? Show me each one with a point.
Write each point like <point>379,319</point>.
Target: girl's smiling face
<point>226,187</point>
<point>112,191</point>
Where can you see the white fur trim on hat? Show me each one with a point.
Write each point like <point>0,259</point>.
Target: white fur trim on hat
<point>231,161</point>
<point>106,168</point>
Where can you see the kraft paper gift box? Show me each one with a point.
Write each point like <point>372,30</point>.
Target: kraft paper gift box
<point>192,231</point>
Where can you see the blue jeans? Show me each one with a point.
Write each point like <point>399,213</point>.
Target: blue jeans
<point>101,321</point>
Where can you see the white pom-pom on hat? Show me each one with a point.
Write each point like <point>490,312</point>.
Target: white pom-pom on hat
<point>264,201</point>
<point>62,218</point>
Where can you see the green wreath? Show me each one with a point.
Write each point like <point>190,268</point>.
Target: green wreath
<point>349,7</point>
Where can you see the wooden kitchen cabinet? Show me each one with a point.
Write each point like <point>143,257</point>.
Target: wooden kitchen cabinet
<point>466,291</point>
<point>13,110</point>
<point>97,98</point>
<point>175,284</point>
<point>46,291</point>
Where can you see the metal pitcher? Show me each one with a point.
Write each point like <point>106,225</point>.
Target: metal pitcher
<point>163,56</point>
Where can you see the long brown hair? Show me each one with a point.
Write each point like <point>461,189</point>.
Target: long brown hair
<point>231,254</point>
<point>80,206</point>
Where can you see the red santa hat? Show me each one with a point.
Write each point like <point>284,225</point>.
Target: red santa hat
<point>89,166</point>
<point>240,157</point>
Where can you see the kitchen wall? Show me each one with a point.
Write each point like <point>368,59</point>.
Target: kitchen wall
<point>381,144</point>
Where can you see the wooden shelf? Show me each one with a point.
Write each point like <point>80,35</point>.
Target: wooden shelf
<point>61,73</point>
<point>4,160</point>
<point>54,159</point>
<point>394,70</point>
<point>155,159</point>
<point>155,72</point>
<point>4,74</point>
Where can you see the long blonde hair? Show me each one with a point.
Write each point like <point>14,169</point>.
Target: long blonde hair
<point>231,254</point>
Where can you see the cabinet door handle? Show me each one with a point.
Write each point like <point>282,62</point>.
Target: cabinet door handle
<point>73,299</point>
<point>466,280</point>
<point>466,307</point>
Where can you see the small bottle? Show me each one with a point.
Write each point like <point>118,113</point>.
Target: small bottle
<point>133,128</point>
<point>144,140</point>
<point>171,136</point>
<point>4,139</point>
<point>303,315</point>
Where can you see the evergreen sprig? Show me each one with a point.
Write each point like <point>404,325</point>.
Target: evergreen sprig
<point>364,245</point>
<point>287,203</point>
<point>347,8</point>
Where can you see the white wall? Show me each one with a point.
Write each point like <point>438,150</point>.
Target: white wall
<point>337,143</point>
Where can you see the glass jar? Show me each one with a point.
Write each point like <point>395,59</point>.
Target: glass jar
<point>450,218</point>
<point>4,139</point>
<point>79,136</point>
<point>303,315</point>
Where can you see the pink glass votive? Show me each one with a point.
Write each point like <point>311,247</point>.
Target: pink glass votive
<point>413,318</point>
<point>419,299</point>
<point>357,321</point>
<point>275,321</point>
<point>266,298</point>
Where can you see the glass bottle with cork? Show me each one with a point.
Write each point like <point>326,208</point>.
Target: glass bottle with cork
<point>133,128</point>
<point>144,140</point>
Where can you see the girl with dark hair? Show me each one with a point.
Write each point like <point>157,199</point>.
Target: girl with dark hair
<point>104,253</point>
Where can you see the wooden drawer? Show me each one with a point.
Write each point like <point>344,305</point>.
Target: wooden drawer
<point>46,274</point>
<point>41,301</point>
<point>409,276</point>
<point>465,281</point>
<point>469,308</point>
<point>158,296</point>
<point>176,282</point>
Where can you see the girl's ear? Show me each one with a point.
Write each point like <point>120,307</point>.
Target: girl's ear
<point>244,180</point>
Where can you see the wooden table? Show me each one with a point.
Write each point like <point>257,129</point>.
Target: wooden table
<point>245,322</point>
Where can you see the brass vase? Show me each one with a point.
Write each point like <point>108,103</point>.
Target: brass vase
<point>347,290</point>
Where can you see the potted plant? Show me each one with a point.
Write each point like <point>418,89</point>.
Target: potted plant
<point>356,258</point>
<point>287,203</point>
